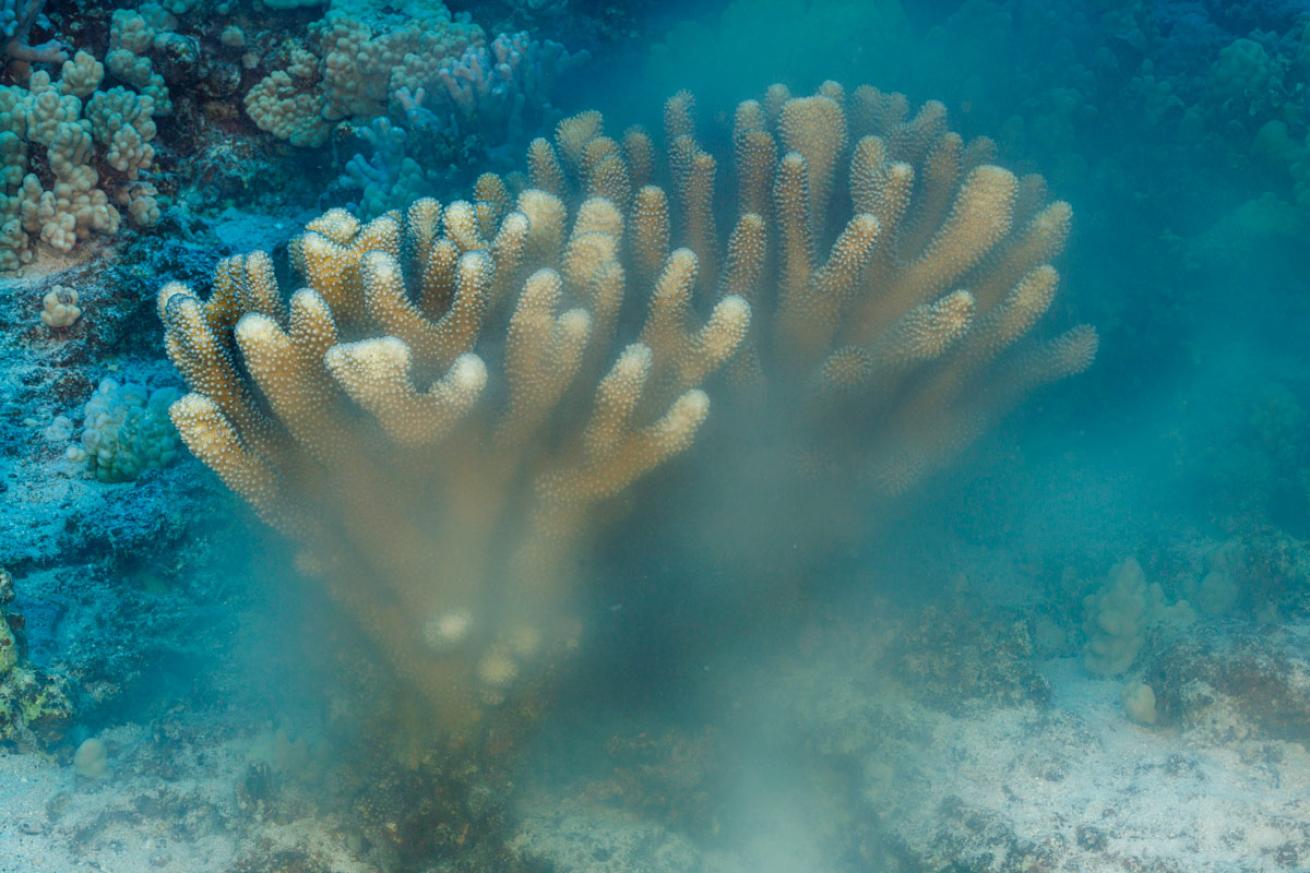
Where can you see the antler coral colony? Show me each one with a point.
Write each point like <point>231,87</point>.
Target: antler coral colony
<point>483,342</point>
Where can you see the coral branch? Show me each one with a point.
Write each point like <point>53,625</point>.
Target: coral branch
<point>17,18</point>
<point>458,390</point>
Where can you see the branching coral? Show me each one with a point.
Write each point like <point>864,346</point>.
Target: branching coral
<point>17,18</point>
<point>59,308</point>
<point>387,178</point>
<point>132,36</point>
<point>359,67</point>
<point>96,144</point>
<point>482,101</point>
<point>494,92</point>
<point>441,413</point>
<point>1119,616</point>
<point>895,274</point>
<point>894,269</point>
<point>425,96</point>
<point>533,416</point>
<point>288,104</point>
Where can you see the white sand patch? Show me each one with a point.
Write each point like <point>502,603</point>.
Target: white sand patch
<point>1111,793</point>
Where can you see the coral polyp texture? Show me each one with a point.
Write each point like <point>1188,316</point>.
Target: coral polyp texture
<point>97,157</point>
<point>437,413</point>
<point>894,269</point>
<point>126,432</point>
<point>440,415</point>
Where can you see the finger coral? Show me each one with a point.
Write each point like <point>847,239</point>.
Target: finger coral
<point>96,143</point>
<point>448,381</point>
<point>441,412</point>
<point>359,66</point>
<point>16,20</point>
<point>59,307</point>
<point>895,274</point>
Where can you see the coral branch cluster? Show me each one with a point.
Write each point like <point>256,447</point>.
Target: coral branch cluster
<point>356,71</point>
<point>484,102</point>
<point>17,17</point>
<point>476,339</point>
<point>72,154</point>
<point>441,413</point>
<point>424,95</point>
<point>496,91</point>
<point>894,270</point>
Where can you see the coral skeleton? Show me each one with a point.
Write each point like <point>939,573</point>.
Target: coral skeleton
<point>444,411</point>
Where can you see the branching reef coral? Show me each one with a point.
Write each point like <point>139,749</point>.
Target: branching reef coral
<point>442,413</point>
<point>358,68</point>
<point>17,17</point>
<point>1119,616</point>
<point>59,307</point>
<point>481,103</point>
<point>427,489</point>
<point>423,95</point>
<point>96,144</point>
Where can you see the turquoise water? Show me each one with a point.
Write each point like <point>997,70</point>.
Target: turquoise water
<point>543,435</point>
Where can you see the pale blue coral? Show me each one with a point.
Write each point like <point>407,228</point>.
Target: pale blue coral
<point>17,17</point>
<point>126,431</point>
<point>385,177</point>
<point>488,101</point>
<point>501,91</point>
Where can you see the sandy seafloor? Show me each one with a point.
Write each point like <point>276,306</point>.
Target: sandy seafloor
<point>892,736</point>
<point>1075,785</point>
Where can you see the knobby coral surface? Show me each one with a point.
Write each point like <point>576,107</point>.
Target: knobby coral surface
<point>498,411</point>
<point>443,413</point>
<point>98,152</point>
<point>360,67</point>
<point>894,270</point>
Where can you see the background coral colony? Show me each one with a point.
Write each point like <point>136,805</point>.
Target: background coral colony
<point>553,436</point>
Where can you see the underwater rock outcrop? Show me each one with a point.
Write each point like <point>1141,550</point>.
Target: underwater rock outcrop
<point>33,705</point>
<point>442,415</point>
<point>1246,687</point>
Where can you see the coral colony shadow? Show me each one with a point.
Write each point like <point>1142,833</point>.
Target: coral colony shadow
<point>548,436</point>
